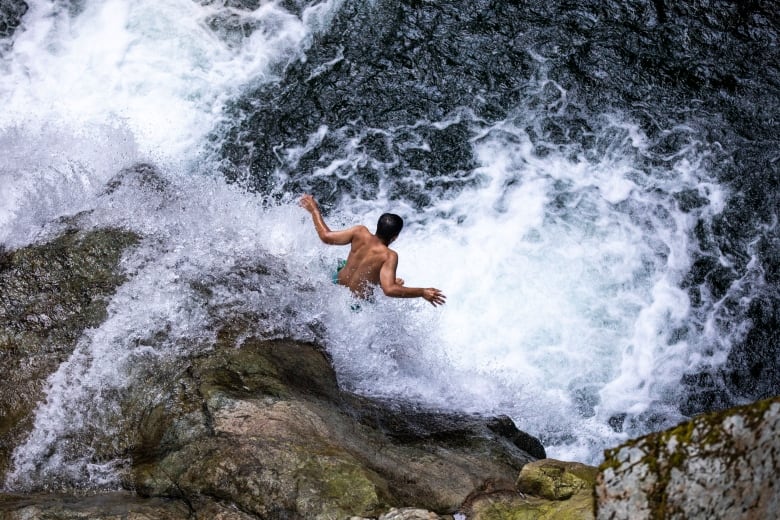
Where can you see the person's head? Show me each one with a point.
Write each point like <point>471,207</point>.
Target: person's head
<point>388,227</point>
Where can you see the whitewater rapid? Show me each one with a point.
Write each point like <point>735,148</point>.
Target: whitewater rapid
<point>562,269</point>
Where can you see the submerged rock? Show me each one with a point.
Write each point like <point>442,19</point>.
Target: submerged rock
<point>49,294</point>
<point>720,465</point>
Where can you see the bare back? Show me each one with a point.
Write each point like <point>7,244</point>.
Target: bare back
<point>370,261</point>
<point>364,264</point>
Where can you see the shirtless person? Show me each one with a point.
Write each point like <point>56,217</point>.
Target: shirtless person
<point>370,261</point>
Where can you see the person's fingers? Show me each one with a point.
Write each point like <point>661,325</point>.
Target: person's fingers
<point>435,301</point>
<point>436,297</point>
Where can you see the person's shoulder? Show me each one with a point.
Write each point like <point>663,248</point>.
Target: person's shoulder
<point>361,231</point>
<point>359,234</point>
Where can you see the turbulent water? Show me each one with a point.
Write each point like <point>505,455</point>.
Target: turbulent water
<point>593,185</point>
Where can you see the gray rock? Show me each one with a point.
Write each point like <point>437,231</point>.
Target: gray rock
<point>720,465</point>
<point>408,513</point>
<point>283,439</point>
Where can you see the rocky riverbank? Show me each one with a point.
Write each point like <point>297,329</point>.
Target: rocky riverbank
<point>250,428</point>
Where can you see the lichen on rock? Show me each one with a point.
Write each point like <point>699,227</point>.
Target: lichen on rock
<point>719,465</point>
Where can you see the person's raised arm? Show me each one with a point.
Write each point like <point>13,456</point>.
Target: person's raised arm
<point>392,288</point>
<point>339,238</point>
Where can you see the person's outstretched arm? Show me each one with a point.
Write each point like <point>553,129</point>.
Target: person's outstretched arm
<point>339,238</point>
<point>392,288</point>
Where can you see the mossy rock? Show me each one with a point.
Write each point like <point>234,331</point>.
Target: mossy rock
<point>516,507</point>
<point>556,480</point>
<point>546,489</point>
<point>276,370</point>
<point>718,465</point>
<point>334,487</point>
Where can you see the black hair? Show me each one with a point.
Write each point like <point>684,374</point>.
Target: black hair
<point>389,226</point>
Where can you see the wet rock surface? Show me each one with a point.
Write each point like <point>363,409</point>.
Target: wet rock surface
<point>108,506</point>
<point>379,76</point>
<point>49,294</point>
<point>252,428</point>
<point>720,465</point>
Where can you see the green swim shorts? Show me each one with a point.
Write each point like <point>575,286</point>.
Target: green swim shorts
<point>339,267</point>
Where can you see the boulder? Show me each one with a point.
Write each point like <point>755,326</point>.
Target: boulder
<point>49,294</point>
<point>719,465</point>
<point>556,480</point>
<point>546,489</point>
<point>279,438</point>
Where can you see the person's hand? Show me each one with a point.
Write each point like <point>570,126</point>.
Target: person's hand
<point>434,296</point>
<point>308,203</point>
<point>399,281</point>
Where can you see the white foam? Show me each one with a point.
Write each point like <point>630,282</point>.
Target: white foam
<point>85,96</point>
<point>54,170</point>
<point>154,65</point>
<point>562,277</point>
